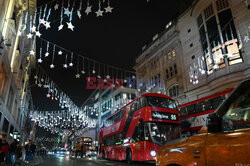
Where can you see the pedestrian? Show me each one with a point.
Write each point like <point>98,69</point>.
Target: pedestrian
<point>28,151</point>
<point>4,148</point>
<point>33,150</point>
<point>13,152</point>
<point>82,149</point>
<point>78,149</point>
<point>18,153</point>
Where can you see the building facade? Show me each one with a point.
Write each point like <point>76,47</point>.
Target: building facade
<point>204,51</point>
<point>15,62</point>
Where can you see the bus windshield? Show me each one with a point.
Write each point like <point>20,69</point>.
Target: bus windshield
<point>160,133</point>
<point>161,102</point>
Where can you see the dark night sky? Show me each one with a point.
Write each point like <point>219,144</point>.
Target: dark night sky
<point>115,39</point>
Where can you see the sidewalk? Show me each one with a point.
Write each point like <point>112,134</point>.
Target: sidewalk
<point>36,161</point>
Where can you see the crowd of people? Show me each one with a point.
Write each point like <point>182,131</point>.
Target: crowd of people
<point>13,153</point>
<point>80,149</point>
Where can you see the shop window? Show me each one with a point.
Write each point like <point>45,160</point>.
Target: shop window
<point>3,80</point>
<point>5,125</point>
<point>11,129</point>
<point>10,99</point>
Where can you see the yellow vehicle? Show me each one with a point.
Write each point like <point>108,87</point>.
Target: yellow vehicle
<point>226,140</point>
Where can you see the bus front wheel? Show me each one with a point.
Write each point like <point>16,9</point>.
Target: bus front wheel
<point>129,156</point>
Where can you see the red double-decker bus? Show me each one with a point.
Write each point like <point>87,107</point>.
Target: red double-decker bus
<point>139,129</point>
<point>193,114</point>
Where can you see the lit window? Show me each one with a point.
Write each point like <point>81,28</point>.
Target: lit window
<point>221,41</point>
<point>233,52</point>
<point>209,63</point>
<point>173,52</point>
<point>218,57</point>
<point>169,55</point>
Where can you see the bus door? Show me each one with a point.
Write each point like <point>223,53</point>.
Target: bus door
<point>138,142</point>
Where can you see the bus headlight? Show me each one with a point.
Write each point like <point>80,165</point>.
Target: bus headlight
<point>153,153</point>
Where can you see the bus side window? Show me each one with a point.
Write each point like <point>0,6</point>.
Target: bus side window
<point>191,109</point>
<point>143,102</point>
<point>217,101</point>
<point>134,106</point>
<point>183,111</point>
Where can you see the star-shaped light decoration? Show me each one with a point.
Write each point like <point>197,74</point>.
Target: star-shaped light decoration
<point>32,52</point>
<point>42,21</point>
<point>48,95</point>
<point>42,80</point>
<point>39,85</point>
<point>99,76</point>
<point>93,71</point>
<point>67,12</point>
<point>36,77</point>
<point>77,75</point>
<point>99,13</point>
<point>125,80</point>
<point>19,33</point>
<point>108,76</point>
<point>33,29</point>
<point>70,26</point>
<point>65,66</point>
<point>46,54</point>
<point>246,38</point>
<point>83,72</point>
<point>79,14</point>
<point>108,9</point>
<point>56,6</point>
<point>38,34</point>
<point>60,27</point>
<point>60,52</point>
<point>70,64</point>
<point>29,36</point>
<point>52,66</point>
<point>88,9</point>
<point>39,60</point>
<point>47,25</point>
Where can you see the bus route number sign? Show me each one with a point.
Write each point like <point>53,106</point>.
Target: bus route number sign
<point>164,116</point>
